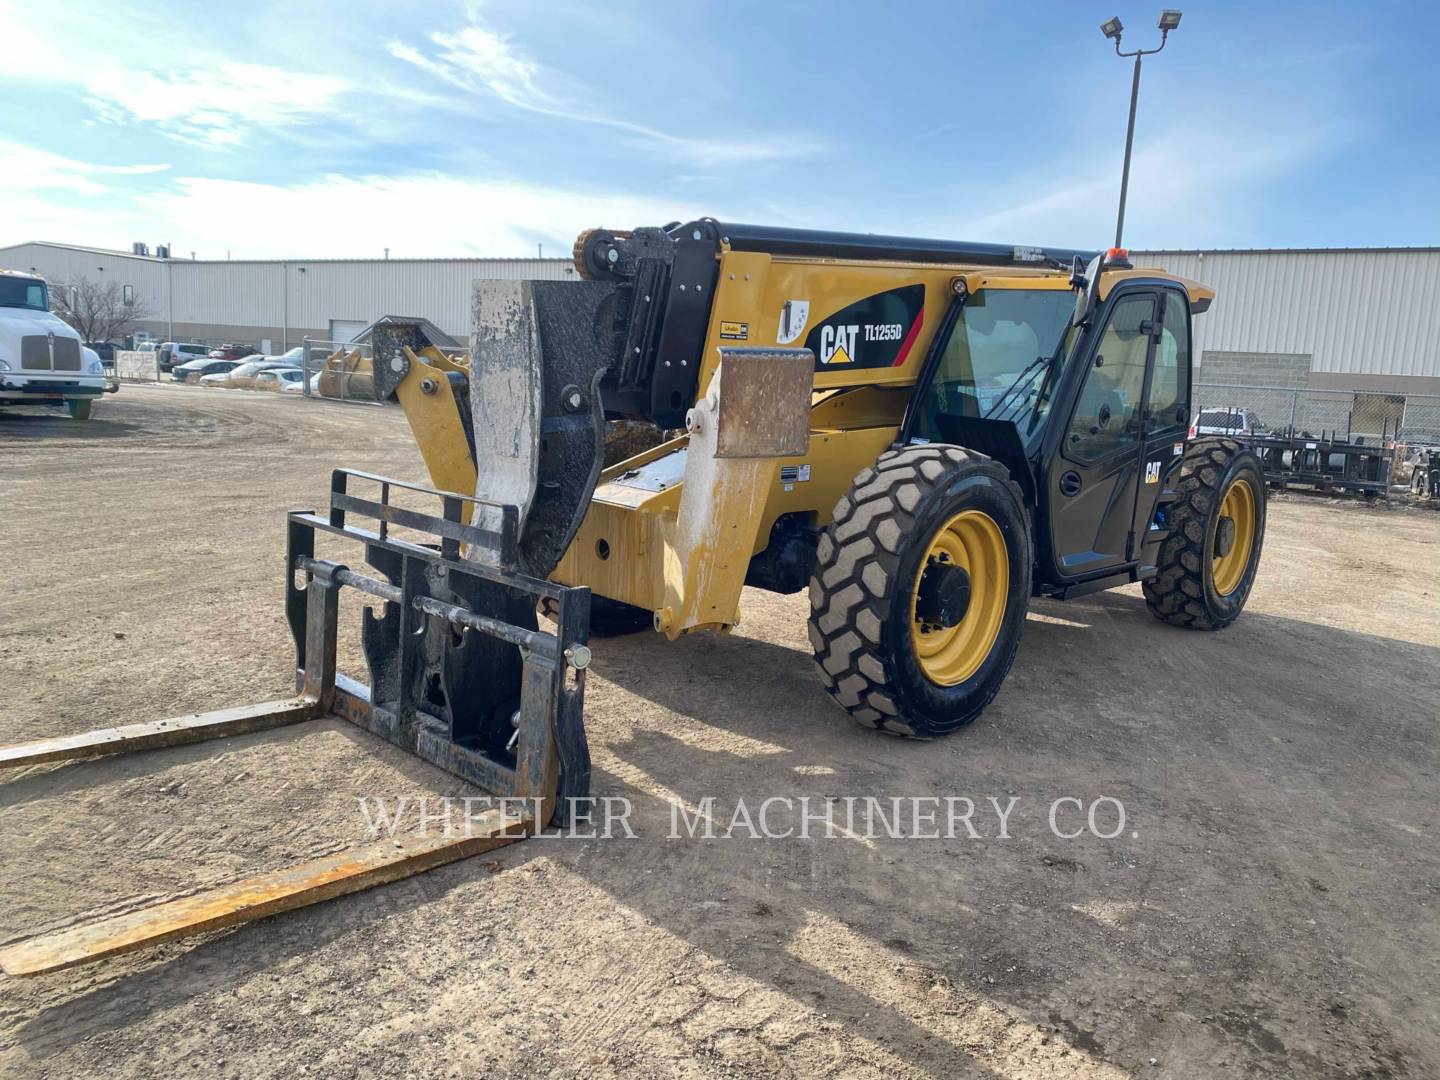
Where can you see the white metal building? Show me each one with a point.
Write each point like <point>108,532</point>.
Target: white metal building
<point>1317,318</point>
<point>281,302</point>
<point>1329,318</point>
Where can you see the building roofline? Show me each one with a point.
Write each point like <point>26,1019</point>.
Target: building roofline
<point>1144,252</point>
<point>87,249</point>
<point>115,253</point>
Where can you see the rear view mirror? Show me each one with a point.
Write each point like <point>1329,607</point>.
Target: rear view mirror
<point>1087,286</point>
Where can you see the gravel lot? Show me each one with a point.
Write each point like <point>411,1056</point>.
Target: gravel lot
<point>1269,909</point>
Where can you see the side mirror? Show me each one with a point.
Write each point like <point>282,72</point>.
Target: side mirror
<point>1087,286</point>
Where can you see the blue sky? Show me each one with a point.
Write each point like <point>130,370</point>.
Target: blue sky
<point>269,130</point>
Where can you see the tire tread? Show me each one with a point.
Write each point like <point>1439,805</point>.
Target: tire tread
<point>866,537</point>
<point>1176,594</point>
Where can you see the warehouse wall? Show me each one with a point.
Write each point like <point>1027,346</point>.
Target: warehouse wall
<point>69,265</point>
<point>1289,370</point>
<point>1366,318</point>
<point>314,294</point>
<point>1355,319</point>
<point>252,300</point>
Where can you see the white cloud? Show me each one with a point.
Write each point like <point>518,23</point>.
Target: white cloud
<point>476,57</point>
<point>193,94</point>
<point>29,169</point>
<point>417,214</point>
<point>52,197</point>
<point>214,103</point>
<point>481,61</point>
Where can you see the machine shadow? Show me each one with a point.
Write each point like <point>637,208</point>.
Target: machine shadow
<point>1016,896</point>
<point>34,426</point>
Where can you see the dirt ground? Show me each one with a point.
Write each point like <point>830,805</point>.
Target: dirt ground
<point>1271,908</point>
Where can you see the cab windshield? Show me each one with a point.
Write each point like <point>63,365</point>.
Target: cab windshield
<point>19,292</point>
<point>1004,357</point>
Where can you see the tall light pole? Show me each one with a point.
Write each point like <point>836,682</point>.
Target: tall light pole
<point>1112,29</point>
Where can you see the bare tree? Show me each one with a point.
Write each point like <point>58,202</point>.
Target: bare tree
<point>99,311</point>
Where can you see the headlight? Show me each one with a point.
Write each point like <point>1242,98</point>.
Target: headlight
<point>97,368</point>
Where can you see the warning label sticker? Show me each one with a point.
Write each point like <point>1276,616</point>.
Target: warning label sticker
<point>793,317</point>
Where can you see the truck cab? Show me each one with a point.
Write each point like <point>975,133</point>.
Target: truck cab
<point>42,359</point>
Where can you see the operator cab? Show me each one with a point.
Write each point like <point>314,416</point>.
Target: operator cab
<point>1082,389</point>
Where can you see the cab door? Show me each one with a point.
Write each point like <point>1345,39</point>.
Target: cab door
<point>1167,416</point>
<point>1094,477</point>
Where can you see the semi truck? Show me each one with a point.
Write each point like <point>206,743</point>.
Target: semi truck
<point>43,360</point>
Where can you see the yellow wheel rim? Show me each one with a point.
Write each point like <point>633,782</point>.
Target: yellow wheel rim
<point>1239,506</point>
<point>950,655</point>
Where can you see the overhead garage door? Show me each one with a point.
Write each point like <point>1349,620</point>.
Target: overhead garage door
<point>344,330</point>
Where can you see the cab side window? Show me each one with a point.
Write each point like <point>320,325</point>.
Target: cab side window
<point>1169,386</point>
<point>1107,415</point>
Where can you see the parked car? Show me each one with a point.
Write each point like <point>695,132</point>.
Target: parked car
<point>174,353</point>
<point>242,377</point>
<point>280,379</point>
<point>195,370</point>
<point>290,358</point>
<point>233,352</point>
<point>105,350</point>
<point>295,356</point>
<point>1227,422</point>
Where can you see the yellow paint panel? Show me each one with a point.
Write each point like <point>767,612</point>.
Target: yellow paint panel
<point>435,421</point>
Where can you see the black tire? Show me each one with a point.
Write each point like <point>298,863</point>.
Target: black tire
<point>867,565</point>
<point>1183,592</point>
<point>610,618</point>
<point>79,408</point>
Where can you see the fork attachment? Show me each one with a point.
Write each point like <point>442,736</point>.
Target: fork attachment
<point>460,675</point>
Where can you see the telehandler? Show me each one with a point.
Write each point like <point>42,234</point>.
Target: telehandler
<point>925,434</point>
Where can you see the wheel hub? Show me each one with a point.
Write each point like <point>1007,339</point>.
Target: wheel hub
<point>1235,529</point>
<point>1224,537</point>
<point>944,595</point>
<point>959,597</point>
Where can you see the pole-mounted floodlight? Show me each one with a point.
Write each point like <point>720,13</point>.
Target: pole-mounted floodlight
<point>1111,28</point>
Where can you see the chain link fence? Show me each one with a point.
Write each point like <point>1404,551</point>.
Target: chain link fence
<point>1291,427</point>
<point>338,370</point>
<point>1420,422</point>
<point>1336,414</point>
